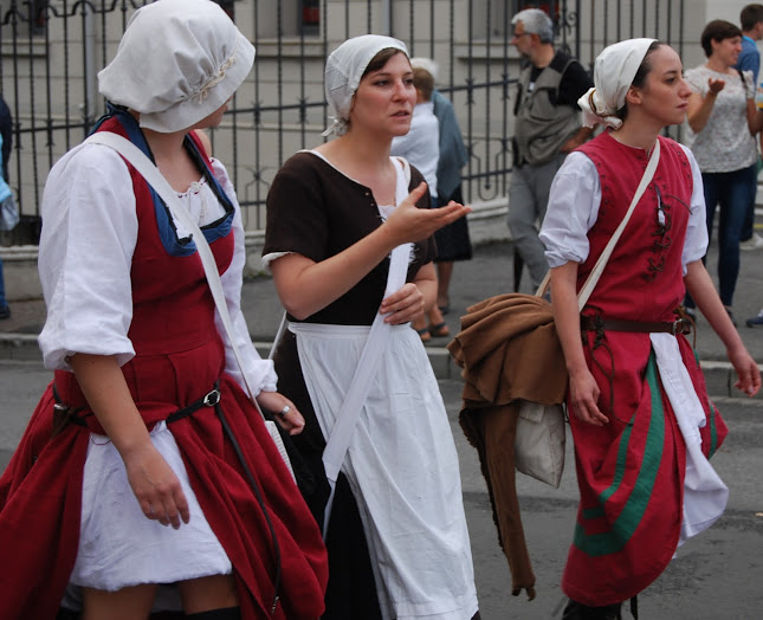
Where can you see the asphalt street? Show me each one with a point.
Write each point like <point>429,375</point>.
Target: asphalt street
<point>718,575</point>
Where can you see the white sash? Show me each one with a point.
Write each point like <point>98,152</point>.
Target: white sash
<point>153,177</point>
<point>705,494</point>
<point>338,440</point>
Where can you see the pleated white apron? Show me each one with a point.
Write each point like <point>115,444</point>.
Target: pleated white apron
<point>402,468</point>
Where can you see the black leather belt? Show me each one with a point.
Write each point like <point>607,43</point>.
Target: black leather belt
<point>63,414</point>
<point>596,323</point>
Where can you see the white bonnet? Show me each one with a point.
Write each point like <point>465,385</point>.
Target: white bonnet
<point>344,68</point>
<point>178,61</point>
<point>613,75</point>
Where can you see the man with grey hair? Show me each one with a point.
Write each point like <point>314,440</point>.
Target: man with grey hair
<point>546,127</point>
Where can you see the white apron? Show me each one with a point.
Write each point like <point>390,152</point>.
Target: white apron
<point>401,465</point>
<point>705,494</point>
<point>402,468</point>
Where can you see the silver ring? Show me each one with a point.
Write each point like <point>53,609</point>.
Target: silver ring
<point>285,410</point>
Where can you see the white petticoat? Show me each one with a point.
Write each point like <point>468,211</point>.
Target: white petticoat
<point>402,467</point>
<point>705,494</point>
<point>119,546</point>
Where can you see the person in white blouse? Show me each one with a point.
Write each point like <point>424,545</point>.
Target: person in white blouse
<point>722,124</point>
<point>641,419</point>
<point>146,424</point>
<point>421,147</point>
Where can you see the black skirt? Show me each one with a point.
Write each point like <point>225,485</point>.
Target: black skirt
<point>452,241</point>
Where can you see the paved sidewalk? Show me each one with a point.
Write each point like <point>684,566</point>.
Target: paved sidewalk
<point>489,273</point>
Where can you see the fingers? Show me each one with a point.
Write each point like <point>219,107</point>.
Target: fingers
<point>168,505</point>
<point>452,212</point>
<point>292,421</point>
<point>182,505</point>
<point>284,411</point>
<point>748,373</point>
<point>156,487</point>
<point>295,421</point>
<point>416,193</point>
<point>396,300</point>
<point>749,379</point>
<point>585,396</point>
<point>590,414</point>
<point>716,85</point>
<point>409,223</point>
<point>403,305</point>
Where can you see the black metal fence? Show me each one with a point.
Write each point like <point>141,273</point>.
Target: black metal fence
<point>52,49</point>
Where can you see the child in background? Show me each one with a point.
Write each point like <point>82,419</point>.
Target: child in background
<point>421,147</point>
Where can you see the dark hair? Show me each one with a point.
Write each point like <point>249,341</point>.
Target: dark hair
<point>717,30</point>
<point>640,78</point>
<point>751,15</point>
<point>424,82</point>
<point>380,59</point>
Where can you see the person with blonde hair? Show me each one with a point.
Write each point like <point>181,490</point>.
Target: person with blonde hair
<point>453,242</point>
<point>421,147</point>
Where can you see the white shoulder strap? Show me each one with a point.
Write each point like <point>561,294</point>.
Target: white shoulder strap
<point>340,435</point>
<point>154,178</point>
<point>601,263</point>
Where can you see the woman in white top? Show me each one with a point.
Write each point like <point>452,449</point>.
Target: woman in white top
<point>420,146</point>
<point>146,425</point>
<point>643,424</point>
<point>723,122</point>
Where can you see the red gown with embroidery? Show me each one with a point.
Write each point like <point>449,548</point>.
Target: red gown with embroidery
<point>179,357</point>
<point>631,471</point>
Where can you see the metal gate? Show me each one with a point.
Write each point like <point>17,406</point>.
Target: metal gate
<point>52,49</point>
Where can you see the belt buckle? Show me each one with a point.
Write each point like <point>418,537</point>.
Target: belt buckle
<point>211,398</point>
<point>678,326</point>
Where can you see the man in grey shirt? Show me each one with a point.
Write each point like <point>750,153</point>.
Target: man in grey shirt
<point>546,128</point>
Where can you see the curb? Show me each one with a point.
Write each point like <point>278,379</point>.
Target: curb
<point>719,375</point>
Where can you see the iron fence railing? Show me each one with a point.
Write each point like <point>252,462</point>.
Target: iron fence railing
<point>52,49</point>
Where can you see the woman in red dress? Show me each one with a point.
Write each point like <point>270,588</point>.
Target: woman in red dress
<point>131,436</point>
<point>641,419</point>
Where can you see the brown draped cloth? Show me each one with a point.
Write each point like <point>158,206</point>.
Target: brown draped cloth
<point>509,350</point>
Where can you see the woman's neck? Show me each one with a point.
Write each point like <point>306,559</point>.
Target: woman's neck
<point>357,151</point>
<point>717,65</point>
<point>164,145</point>
<point>365,158</point>
<point>172,159</point>
<point>638,134</point>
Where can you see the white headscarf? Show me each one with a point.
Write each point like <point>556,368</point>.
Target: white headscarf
<point>344,68</point>
<point>613,75</point>
<point>178,61</point>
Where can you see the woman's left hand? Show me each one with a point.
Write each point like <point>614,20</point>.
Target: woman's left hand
<point>403,305</point>
<point>277,404</point>
<point>747,371</point>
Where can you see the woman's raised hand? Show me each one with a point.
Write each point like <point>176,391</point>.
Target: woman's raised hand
<point>715,86</point>
<point>409,223</point>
